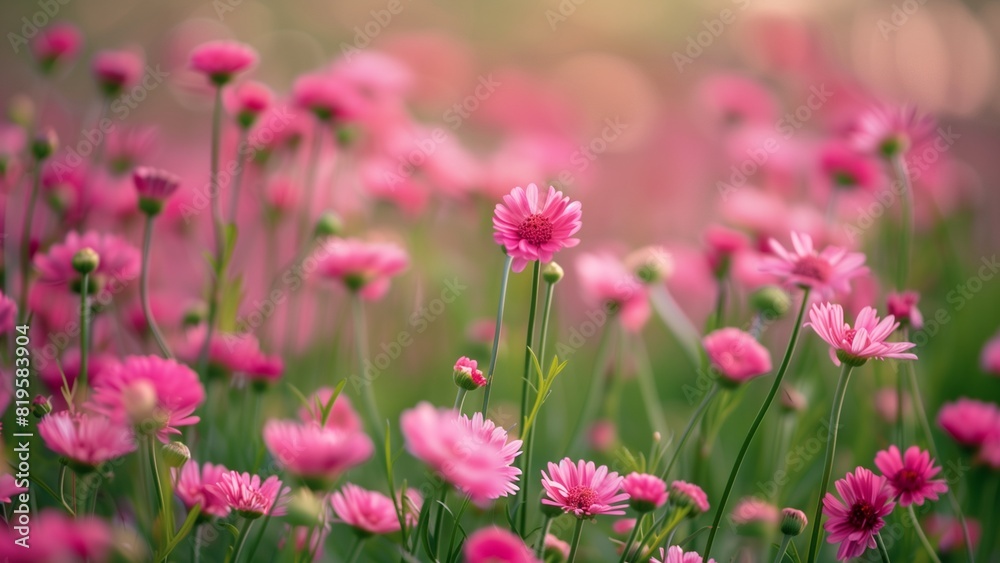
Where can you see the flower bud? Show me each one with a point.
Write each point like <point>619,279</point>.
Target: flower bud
<point>770,302</point>
<point>552,273</point>
<point>21,111</point>
<point>329,224</point>
<point>41,406</point>
<point>44,144</point>
<point>650,264</point>
<point>176,454</point>
<point>86,260</point>
<point>792,400</point>
<point>304,509</point>
<point>793,521</point>
<point>194,316</point>
<point>467,374</point>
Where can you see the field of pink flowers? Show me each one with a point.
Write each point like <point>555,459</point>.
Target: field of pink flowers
<point>428,301</point>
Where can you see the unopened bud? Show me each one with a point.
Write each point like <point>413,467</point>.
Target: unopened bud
<point>86,260</point>
<point>793,521</point>
<point>329,224</point>
<point>41,406</point>
<point>552,273</point>
<point>44,144</point>
<point>304,509</point>
<point>176,454</point>
<point>650,264</point>
<point>770,302</point>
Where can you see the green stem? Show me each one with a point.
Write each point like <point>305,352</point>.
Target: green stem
<point>460,399</point>
<point>62,491</point>
<point>439,519</point>
<point>575,545</point>
<point>900,428</point>
<point>690,426</point>
<point>676,322</point>
<point>147,238</point>
<point>361,341</point>
<point>720,304</point>
<point>831,448</point>
<point>546,315</point>
<point>25,254</point>
<point>920,534</point>
<point>540,543</point>
<point>238,176</point>
<point>720,510</point>
<point>496,333</point>
<point>906,231</point>
<point>84,332</point>
<point>356,550</point>
<point>161,499</point>
<point>525,391</point>
<point>244,534</point>
<point>220,242</point>
<point>881,548</point>
<point>596,387</point>
<point>782,548</point>
<point>647,384</point>
<point>631,538</point>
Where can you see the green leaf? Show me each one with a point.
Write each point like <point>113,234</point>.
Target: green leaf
<point>328,407</point>
<point>302,398</point>
<point>183,532</point>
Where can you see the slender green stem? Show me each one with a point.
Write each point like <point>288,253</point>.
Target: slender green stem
<point>647,384</point>
<point>525,392</point>
<point>439,519</point>
<point>881,548</point>
<point>546,316</point>
<point>241,163</point>
<point>161,499</point>
<point>831,449</point>
<point>220,242</point>
<point>721,508</point>
<point>906,230</point>
<point>242,541</point>
<point>496,333</point>
<point>84,332</point>
<point>460,399</point>
<point>147,240</point>
<point>356,550</point>
<point>361,341</point>
<point>454,526</point>
<point>782,548</point>
<point>720,304</point>
<point>690,426</point>
<point>25,254</point>
<point>596,387</point>
<point>540,542</point>
<point>676,322</point>
<point>631,539</point>
<point>62,491</point>
<point>196,545</point>
<point>900,428</point>
<point>575,544</point>
<point>923,537</point>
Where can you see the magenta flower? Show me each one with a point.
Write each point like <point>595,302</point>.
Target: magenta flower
<point>493,544</point>
<point>327,97</point>
<point>342,414</point>
<point>170,393</point>
<point>530,229</point>
<point>116,70</point>
<point>368,512</point>
<point>646,492</point>
<point>59,537</point>
<point>251,498</point>
<point>888,131</point>
<point>87,440</point>
<point>677,555</point>
<point>8,314</point>
<point>119,261</point>
<point>154,184</point>
<point>248,100</point>
<point>989,358</point>
<point>736,355</point>
<point>948,530</point>
<point>317,454</point>
<point>847,169</point>
<point>687,494</point>
<point>903,306</point>
<point>583,489</point>
<point>221,60</point>
<point>197,485</point>
<point>606,283</point>
<point>857,345</point>
<point>467,374</point>
<point>473,454</point>
<point>9,488</point>
<point>56,45</point>
<point>827,272</point>
<point>854,521</point>
<point>364,267</point>
<point>969,421</point>
<point>232,354</point>
<point>910,475</point>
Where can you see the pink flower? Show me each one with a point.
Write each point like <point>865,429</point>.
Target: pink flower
<point>887,404</point>
<point>606,283</point>
<point>555,547</point>
<point>687,494</point>
<point>948,530</point>
<point>342,414</point>
<point>154,184</point>
<point>327,97</point>
<point>199,486</point>
<point>853,522</point>
<point>677,555</point>
<point>248,100</point>
<point>87,440</point>
<point>903,306</point>
<point>723,243</point>
<point>989,452</point>
<point>623,526</point>
<point>56,45</point>
<point>58,537</point>
<point>755,517</point>
<point>116,70</point>
<point>472,454</point>
<point>467,374</point>
<point>9,487</point>
<point>249,497</point>
<point>646,492</point>
<point>910,475</point>
<point>364,267</point>
<point>128,145</point>
<point>969,421</point>
<point>118,260</point>
<point>826,272</point>
<point>221,60</point>
<point>845,168</point>
<point>173,392</point>
<point>736,355</point>
<point>8,314</point>
<point>889,131</point>
<point>496,545</point>
<point>989,358</point>
<point>236,354</point>
<point>602,435</point>
<point>316,453</point>
<point>369,512</point>
<point>736,100</point>
<point>857,345</point>
<point>583,489</point>
<point>530,229</point>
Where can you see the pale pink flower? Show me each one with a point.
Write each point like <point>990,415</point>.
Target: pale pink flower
<point>314,453</point>
<point>677,555</point>
<point>496,545</point>
<point>369,512</point>
<point>555,547</point>
<point>86,440</point>
<point>328,97</point>
<point>531,229</point>
<point>854,521</point>
<point>723,243</point>
<point>9,488</point>
<point>125,146</point>
<point>737,100</point>
<point>864,341</point>
<point>56,45</point>
<point>197,485</point>
<point>827,272</point>
<point>116,70</point>
<point>889,131</point>
<point>236,354</point>
<point>969,421</point>
<point>342,414</point>
<point>646,492</point>
<point>989,452</point>
<point>736,355</point>
<point>248,100</point>
<point>472,454</point>
<point>250,497</point>
<point>221,60</point>
<point>118,261</point>
<point>607,283</point>
<point>903,306</point>
<point>989,358</point>
<point>57,537</point>
<point>365,267</point>
<point>949,533</point>
<point>154,184</point>
<point>887,404</point>
<point>376,75</point>
<point>753,516</point>
<point>910,475</point>
<point>467,374</point>
<point>602,435</point>
<point>583,489</point>
<point>687,494</point>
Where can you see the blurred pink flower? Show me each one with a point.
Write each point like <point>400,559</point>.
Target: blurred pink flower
<point>677,555</point>
<point>844,168</point>
<point>530,229</point>
<point>58,537</point>
<point>125,146</point>
<point>250,497</point>
<point>910,475</point>
<point>314,453</point>
<point>496,545</point>
<point>723,243</point>
<point>583,489</point>
<point>989,452</point>
<point>865,341</point>
<point>235,354</point>
<point>888,130</point>
<point>887,404</point>
<point>8,314</point>
<point>646,492</point>
<point>86,440</point>
<point>683,493</point>
<point>736,355</point>
<point>342,414</point>
<point>854,521</point>
<point>555,547</point>
<point>602,435</point>
<point>903,306</point>
<point>989,358</point>
<point>248,100</point>
<point>827,272</point>
<point>56,45</point>
<point>154,184</point>
<point>118,260</point>
<point>116,70</point>
<point>221,60</point>
<point>375,75</point>
<point>949,533</point>
<point>9,488</point>
<point>753,510</point>
<point>623,526</point>
<point>607,284</point>
<point>365,267</point>
<point>197,485</point>
<point>370,512</point>
<point>735,100</point>
<point>327,97</point>
<point>969,421</point>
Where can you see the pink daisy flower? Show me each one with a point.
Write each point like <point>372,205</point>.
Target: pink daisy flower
<point>317,454</point>
<point>250,497</point>
<point>903,306</point>
<point>969,421</point>
<point>327,97</point>
<point>473,454</point>
<point>677,555</point>
<point>910,475</point>
<point>173,392</point>
<point>221,60</point>
<point>854,521</point>
<point>531,229</point>
<point>86,440</point>
<point>248,100</point>
<point>755,517</point>
<point>646,492</point>
<point>232,354</point>
<point>857,345</point>
<point>56,44</point>
<point>845,168</point>
<point>368,512</point>
<point>687,494</point>
<point>736,355</point>
<point>118,261</point>
<point>493,545</point>
<point>364,267</point>
<point>583,489</point>
<point>9,488</point>
<point>197,485</point>
<point>342,414</point>
<point>467,374</point>
<point>554,547</point>
<point>889,131</point>
<point>606,283</point>
<point>989,358</point>
<point>154,184</point>
<point>116,70</point>
<point>827,272</point>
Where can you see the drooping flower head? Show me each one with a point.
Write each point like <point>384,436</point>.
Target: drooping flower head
<point>494,545</point>
<point>684,494</point>
<point>197,485</point>
<point>677,555</point>
<point>826,273</point>
<point>969,421</point>
<point>910,475</point>
<point>473,454</point>
<point>368,512</point>
<point>116,70</point>
<point>889,131</point>
<point>533,227</point>
<point>607,283</point>
<point>56,45</point>
<point>314,453</point>
<point>364,267</point>
<point>853,521</point>
<point>736,355</point>
<point>864,341</point>
<point>250,497</point>
<point>86,440</point>
<point>646,492</point>
<point>222,60</point>
<point>903,306</point>
<point>118,260</point>
<point>467,374</point>
<point>583,489</point>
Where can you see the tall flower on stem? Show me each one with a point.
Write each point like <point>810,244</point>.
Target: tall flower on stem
<point>854,522</point>
<point>251,498</point>
<point>154,187</point>
<point>583,490</point>
<point>910,476</point>
<point>41,149</point>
